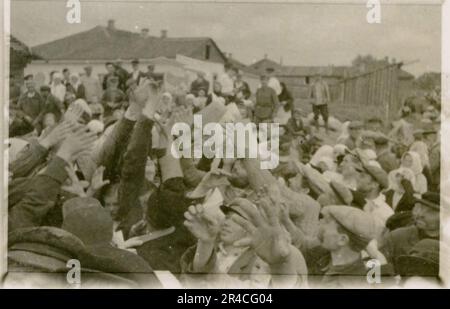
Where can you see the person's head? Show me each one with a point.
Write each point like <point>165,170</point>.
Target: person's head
<point>405,112</point>
<point>243,110</point>
<point>45,91</point>
<point>113,82</point>
<point>135,64</point>
<point>201,93</point>
<point>297,113</point>
<point>426,212</point>
<point>88,70</point>
<point>239,75</point>
<point>344,227</point>
<point>264,80</point>
<point>151,68</point>
<point>49,120</point>
<point>167,99</point>
<point>230,231</point>
<point>298,184</point>
<point>200,75</point>
<point>239,177</point>
<point>111,199</point>
<point>30,85</point>
<point>348,166</point>
<point>375,124</point>
<point>234,72</point>
<point>150,170</point>
<point>371,180</point>
<point>217,87</point>
<point>430,138</point>
<point>110,67</point>
<point>270,71</point>
<point>57,78</point>
<point>66,74</point>
<point>51,76</point>
<point>189,100</point>
<point>355,129</point>
<point>74,79</point>
<point>407,160</point>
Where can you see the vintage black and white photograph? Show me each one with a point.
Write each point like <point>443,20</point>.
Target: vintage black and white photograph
<point>224,144</point>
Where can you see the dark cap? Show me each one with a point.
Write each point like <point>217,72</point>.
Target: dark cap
<point>44,88</point>
<point>377,173</point>
<point>135,61</point>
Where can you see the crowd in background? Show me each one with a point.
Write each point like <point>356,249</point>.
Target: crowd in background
<point>92,177</point>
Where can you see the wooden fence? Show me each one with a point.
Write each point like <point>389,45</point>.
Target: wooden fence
<point>374,93</point>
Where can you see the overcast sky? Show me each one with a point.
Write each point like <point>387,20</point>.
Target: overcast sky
<point>300,34</point>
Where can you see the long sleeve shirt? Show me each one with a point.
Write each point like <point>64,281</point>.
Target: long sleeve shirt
<point>133,170</point>
<point>40,197</point>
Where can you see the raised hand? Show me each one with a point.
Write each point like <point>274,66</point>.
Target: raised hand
<point>200,224</point>
<point>97,181</point>
<point>76,186</point>
<point>152,102</point>
<point>77,144</point>
<point>266,235</point>
<point>57,133</point>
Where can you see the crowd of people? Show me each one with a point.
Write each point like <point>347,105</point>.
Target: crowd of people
<point>92,177</point>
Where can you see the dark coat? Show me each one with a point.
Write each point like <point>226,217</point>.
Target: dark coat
<point>400,242</point>
<point>406,203</point>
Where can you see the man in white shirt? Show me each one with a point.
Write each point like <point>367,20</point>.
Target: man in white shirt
<point>320,96</point>
<point>274,83</point>
<point>226,80</point>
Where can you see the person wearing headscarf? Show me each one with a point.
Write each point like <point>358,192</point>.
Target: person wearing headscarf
<point>76,87</point>
<point>411,160</point>
<point>57,88</point>
<point>400,193</point>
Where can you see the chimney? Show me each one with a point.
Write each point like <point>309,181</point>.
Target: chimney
<point>163,34</point>
<point>111,25</point>
<point>145,32</point>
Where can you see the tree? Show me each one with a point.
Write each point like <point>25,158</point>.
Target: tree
<point>428,81</point>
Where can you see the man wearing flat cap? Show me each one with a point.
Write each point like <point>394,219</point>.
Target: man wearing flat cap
<point>385,156</point>
<point>136,74</point>
<point>426,226</point>
<point>344,232</point>
<point>354,129</point>
<point>371,181</point>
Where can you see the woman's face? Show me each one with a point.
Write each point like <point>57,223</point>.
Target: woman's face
<point>407,161</point>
